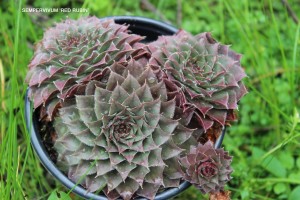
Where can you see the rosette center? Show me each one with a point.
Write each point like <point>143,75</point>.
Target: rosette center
<point>207,169</point>
<point>122,130</point>
<point>193,65</point>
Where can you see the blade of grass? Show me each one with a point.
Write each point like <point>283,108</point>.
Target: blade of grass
<point>13,187</point>
<point>295,78</point>
<point>291,136</point>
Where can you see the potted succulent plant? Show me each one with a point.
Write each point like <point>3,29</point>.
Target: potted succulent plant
<point>122,113</point>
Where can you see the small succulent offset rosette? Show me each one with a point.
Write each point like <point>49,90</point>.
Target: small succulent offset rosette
<point>207,168</point>
<point>132,119</point>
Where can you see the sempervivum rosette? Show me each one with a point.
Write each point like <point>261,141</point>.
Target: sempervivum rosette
<point>204,75</point>
<point>74,52</point>
<point>207,168</point>
<point>121,135</point>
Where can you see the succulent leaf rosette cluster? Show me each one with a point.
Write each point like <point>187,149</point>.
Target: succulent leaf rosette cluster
<point>131,119</point>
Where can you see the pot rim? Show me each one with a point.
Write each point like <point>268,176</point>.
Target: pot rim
<point>38,146</point>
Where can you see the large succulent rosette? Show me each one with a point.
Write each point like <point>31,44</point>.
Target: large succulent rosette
<point>122,135</point>
<point>204,75</point>
<point>74,52</point>
<point>207,168</point>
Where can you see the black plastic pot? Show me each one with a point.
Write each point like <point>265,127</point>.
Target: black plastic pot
<point>149,28</point>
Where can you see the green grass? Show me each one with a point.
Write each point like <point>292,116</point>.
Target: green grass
<point>264,142</point>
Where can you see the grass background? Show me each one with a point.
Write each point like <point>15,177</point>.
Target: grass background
<point>264,142</point>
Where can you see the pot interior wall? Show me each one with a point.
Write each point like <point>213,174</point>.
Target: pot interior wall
<point>149,28</point>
